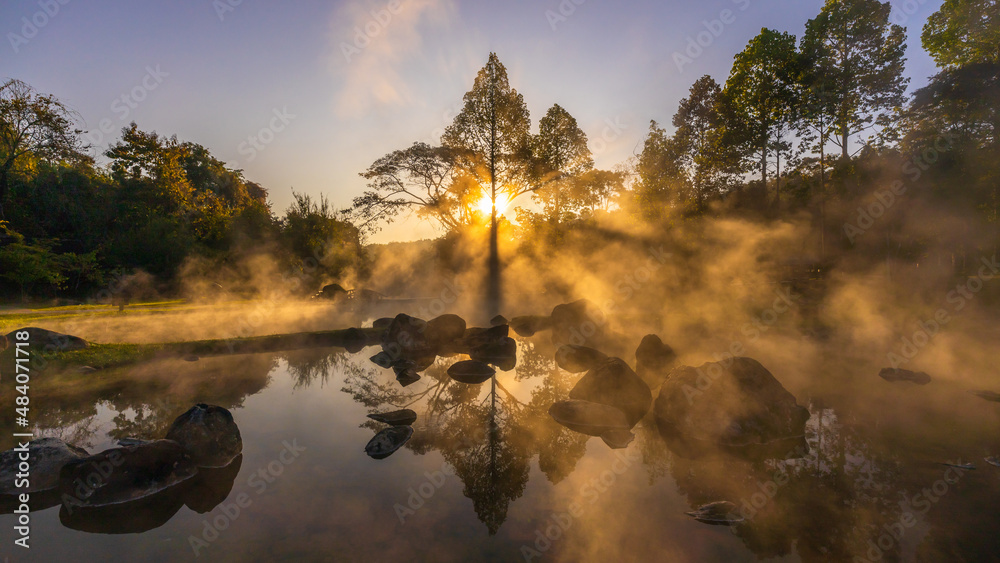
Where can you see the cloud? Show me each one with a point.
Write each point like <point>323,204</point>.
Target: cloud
<point>373,43</point>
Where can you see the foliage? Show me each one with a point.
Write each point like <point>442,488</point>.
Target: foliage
<point>963,32</point>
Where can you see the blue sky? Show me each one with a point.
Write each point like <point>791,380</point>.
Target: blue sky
<point>297,98</point>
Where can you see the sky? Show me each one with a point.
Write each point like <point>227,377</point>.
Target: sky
<point>306,95</point>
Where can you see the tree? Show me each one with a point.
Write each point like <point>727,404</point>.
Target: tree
<point>660,178</point>
<point>859,54</point>
<point>421,177</point>
<point>963,32</point>
<point>561,155</point>
<point>34,123</point>
<point>492,133</point>
<point>314,230</point>
<point>699,136</point>
<point>760,97</point>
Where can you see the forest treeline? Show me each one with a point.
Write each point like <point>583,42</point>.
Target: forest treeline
<point>816,127</point>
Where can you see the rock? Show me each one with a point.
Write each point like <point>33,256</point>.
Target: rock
<point>125,474</point>
<point>383,359</point>
<point>47,456</point>
<point>383,444</point>
<point>402,417</point>
<point>576,359</point>
<point>407,377</point>
<point>736,402</point>
<point>653,359</point>
<point>722,513</point>
<point>612,382</point>
<point>48,340</point>
<point>502,354</point>
<point>355,340</point>
<point>579,322</point>
<point>381,324</point>
<point>992,460</point>
<point>498,320</point>
<point>209,434</point>
<point>470,371</point>
<point>477,337</point>
<point>528,325</point>
<point>898,374</point>
<point>593,419</point>
<point>445,329</point>
<point>86,369</point>
<point>406,336</point>
<point>191,358</point>
<point>987,395</point>
<point>211,486</point>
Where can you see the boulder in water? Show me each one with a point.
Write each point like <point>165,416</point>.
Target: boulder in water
<point>406,336</point>
<point>211,486</point>
<point>502,354</point>
<point>125,474</point>
<point>580,322</point>
<point>445,329</point>
<point>577,359</point>
<point>209,434</point>
<point>653,359</point>
<point>499,320</point>
<point>386,442</point>
<point>899,374</point>
<point>402,417</point>
<point>612,382</point>
<point>735,402</point>
<point>47,456</point>
<point>354,340</point>
<point>528,325</point>
<point>470,371</point>
<point>382,323</point>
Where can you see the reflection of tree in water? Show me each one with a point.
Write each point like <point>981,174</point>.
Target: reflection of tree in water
<point>835,498</point>
<point>312,364</point>
<point>486,435</point>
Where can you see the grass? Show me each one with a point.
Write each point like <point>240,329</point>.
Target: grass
<point>102,356</point>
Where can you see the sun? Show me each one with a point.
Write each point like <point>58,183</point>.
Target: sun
<point>485,205</point>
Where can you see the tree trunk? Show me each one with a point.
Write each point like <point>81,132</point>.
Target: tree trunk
<point>493,283</point>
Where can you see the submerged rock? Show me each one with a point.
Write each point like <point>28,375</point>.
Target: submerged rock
<point>402,417</point>
<point>612,382</point>
<point>576,359</point>
<point>653,359</point>
<point>723,513</point>
<point>133,517</point>
<point>579,322</point>
<point>383,444</point>
<point>42,339</point>
<point>46,457</point>
<point>470,371</point>
<point>125,474</point>
<point>736,402</point>
<point>899,374</point>
<point>528,325</point>
<point>209,434</point>
<point>594,419</point>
